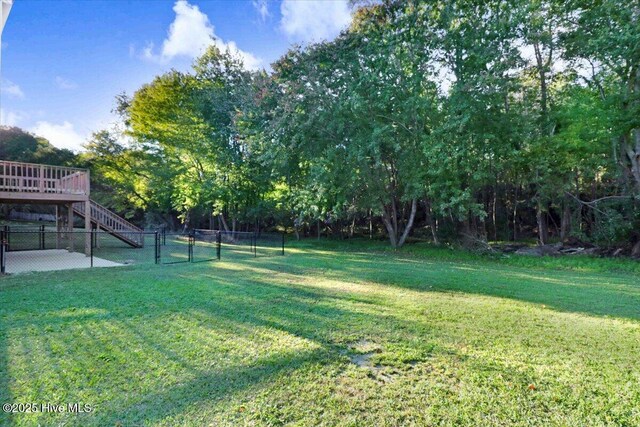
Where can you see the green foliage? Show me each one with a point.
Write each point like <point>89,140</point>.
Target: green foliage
<point>21,146</point>
<point>127,177</point>
<point>186,143</point>
<point>611,225</point>
<point>493,114</point>
<point>606,36</point>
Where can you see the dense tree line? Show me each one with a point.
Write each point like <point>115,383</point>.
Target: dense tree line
<point>480,120</point>
<point>20,146</point>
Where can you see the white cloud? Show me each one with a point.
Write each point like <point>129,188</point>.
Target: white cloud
<point>262,8</point>
<point>147,53</point>
<point>11,89</point>
<point>190,34</point>
<point>314,20</point>
<point>65,84</point>
<point>11,118</point>
<point>61,136</point>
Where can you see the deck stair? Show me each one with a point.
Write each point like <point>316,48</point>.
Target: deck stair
<point>113,224</point>
<point>33,183</point>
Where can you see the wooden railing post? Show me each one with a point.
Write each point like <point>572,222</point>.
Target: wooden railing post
<point>88,184</point>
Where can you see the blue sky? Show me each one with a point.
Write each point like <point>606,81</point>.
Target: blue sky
<point>63,62</point>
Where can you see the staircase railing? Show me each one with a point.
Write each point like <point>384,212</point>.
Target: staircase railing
<point>112,223</point>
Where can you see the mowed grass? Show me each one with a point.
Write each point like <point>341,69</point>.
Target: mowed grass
<point>330,334</point>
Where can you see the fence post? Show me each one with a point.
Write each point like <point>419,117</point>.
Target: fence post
<point>2,251</point>
<point>42,237</point>
<point>159,251</point>
<point>283,243</point>
<point>218,244</point>
<point>190,251</point>
<point>91,238</point>
<point>156,246</point>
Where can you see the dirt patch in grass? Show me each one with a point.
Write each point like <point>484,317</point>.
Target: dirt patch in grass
<point>362,352</point>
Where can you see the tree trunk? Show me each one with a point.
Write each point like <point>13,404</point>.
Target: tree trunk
<point>543,228</point>
<point>565,225</point>
<point>467,231</point>
<point>481,227</point>
<point>407,228</point>
<point>515,213</point>
<point>296,228</point>
<point>388,223</point>
<point>633,156</point>
<point>431,221</point>
<point>186,223</point>
<point>223,222</point>
<point>394,217</point>
<point>494,213</point>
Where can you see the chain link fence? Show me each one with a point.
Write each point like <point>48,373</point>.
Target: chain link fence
<point>240,243</point>
<point>41,248</point>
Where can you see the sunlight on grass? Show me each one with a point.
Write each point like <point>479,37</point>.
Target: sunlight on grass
<point>346,338</point>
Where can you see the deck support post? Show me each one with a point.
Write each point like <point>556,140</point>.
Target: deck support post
<point>87,228</point>
<point>58,226</point>
<point>62,187</point>
<point>70,225</point>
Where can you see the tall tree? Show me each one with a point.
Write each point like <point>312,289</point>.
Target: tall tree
<point>606,35</point>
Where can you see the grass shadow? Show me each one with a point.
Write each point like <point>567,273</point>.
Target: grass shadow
<point>98,324</point>
<point>5,389</point>
<point>592,293</point>
<point>205,320</point>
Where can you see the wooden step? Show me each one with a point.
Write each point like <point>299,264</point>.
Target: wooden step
<point>113,224</point>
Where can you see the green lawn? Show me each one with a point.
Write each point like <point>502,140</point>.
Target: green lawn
<point>328,335</point>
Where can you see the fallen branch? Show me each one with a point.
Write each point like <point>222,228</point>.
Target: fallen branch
<point>593,203</point>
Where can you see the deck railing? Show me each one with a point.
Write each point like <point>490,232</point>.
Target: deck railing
<point>37,178</point>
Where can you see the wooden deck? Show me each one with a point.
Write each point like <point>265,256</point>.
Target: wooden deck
<point>36,183</point>
<point>67,188</point>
